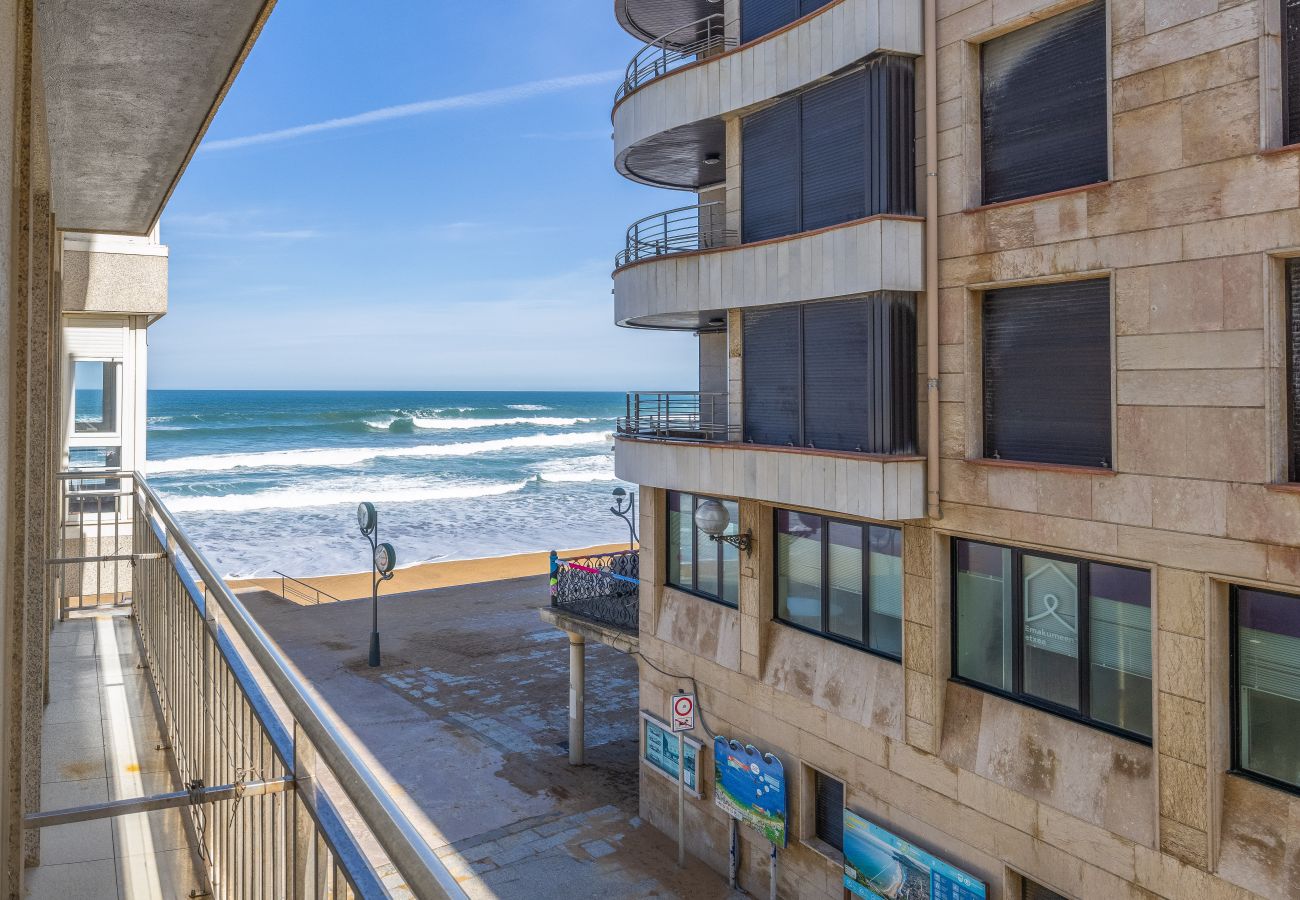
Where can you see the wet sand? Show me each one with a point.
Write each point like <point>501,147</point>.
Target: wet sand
<point>448,573</point>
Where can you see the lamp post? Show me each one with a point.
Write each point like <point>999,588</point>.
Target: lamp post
<point>626,513</point>
<point>712,518</point>
<point>382,560</point>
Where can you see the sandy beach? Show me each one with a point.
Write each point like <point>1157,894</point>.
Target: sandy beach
<point>447,573</point>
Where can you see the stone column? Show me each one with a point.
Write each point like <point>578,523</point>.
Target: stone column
<point>1182,726</point>
<point>920,684</point>
<point>735,375</point>
<point>577,699</point>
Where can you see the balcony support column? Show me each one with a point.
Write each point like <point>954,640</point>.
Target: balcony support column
<point>577,699</point>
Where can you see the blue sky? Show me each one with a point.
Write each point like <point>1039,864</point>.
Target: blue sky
<point>413,195</point>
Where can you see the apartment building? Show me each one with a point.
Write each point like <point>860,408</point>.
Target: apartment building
<point>984,521</point>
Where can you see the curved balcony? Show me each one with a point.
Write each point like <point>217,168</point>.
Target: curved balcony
<point>683,230</point>
<point>668,123</point>
<point>689,287</point>
<point>669,52</point>
<point>648,19</point>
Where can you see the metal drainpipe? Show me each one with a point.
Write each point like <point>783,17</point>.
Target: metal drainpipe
<point>932,260</point>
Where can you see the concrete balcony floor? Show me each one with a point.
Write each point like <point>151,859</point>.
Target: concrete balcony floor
<point>100,742</point>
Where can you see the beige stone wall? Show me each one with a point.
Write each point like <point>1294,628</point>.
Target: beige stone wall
<point>106,282</point>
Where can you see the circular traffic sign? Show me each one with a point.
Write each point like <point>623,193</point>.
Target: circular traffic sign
<point>682,706</point>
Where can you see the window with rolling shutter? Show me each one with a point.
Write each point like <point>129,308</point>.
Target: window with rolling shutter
<point>836,153</point>
<point>760,17</point>
<point>836,375</point>
<point>1043,106</point>
<point>1047,373</point>
<point>1068,635</point>
<point>828,810</point>
<point>1293,367</point>
<point>1291,71</point>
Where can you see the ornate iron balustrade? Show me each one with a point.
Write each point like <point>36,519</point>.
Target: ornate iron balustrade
<point>679,47</point>
<point>603,588</point>
<point>681,230</point>
<point>676,415</point>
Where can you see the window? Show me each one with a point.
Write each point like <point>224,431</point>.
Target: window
<point>95,397</point>
<point>828,810</point>
<point>1266,685</point>
<point>833,154</point>
<point>696,562</point>
<point>1291,71</point>
<point>1047,373</point>
<point>1069,635</point>
<point>1293,367</point>
<point>843,580</point>
<point>1032,890</point>
<point>760,17</point>
<point>837,375</point>
<point>1043,106</point>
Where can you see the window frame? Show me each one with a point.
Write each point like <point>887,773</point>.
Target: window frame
<point>1017,693</point>
<point>694,589</point>
<point>825,582</point>
<point>114,438</point>
<point>1234,701</point>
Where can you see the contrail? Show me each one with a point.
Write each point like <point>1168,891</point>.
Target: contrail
<point>478,99</point>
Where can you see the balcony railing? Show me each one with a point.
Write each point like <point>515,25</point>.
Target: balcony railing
<point>680,230</point>
<point>603,588</point>
<point>269,776</point>
<point>681,416</point>
<point>679,47</point>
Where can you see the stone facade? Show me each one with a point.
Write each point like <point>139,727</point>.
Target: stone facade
<point>1201,209</point>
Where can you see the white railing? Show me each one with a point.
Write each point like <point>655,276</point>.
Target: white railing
<point>676,415</point>
<point>679,47</point>
<point>266,768</point>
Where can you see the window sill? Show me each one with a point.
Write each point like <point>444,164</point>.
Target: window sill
<point>1265,781</point>
<point>1278,151</point>
<point>825,851</point>
<point>718,601</point>
<point>1057,711</point>
<point>1044,467</point>
<point>1284,487</point>
<point>1064,192</point>
<point>836,639</point>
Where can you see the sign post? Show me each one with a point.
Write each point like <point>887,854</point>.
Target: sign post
<point>682,719</point>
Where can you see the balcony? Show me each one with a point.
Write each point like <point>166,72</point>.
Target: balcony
<point>603,590</point>
<point>666,442</point>
<point>675,272</point>
<point>682,46</point>
<point>243,783</point>
<point>665,124</point>
<point>648,19</point>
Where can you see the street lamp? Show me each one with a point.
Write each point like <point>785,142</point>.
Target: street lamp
<point>712,518</point>
<point>382,560</point>
<point>626,513</point>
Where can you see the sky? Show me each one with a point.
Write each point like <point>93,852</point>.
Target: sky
<point>413,196</point>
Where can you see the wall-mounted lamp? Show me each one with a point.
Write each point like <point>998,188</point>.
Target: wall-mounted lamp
<point>712,159</point>
<point>712,518</point>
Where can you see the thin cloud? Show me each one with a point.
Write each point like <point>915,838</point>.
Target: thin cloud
<point>475,100</point>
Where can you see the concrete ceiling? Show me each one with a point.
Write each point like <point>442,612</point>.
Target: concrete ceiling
<point>650,20</point>
<point>130,87</point>
<point>675,158</point>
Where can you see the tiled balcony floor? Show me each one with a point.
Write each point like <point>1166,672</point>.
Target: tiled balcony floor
<point>100,742</point>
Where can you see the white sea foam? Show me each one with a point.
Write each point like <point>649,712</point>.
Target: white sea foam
<point>351,456</point>
<point>579,469</point>
<point>429,423</point>
<point>305,497</point>
<point>527,407</point>
<point>380,424</point>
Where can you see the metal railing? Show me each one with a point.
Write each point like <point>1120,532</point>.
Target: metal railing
<point>92,565</point>
<point>240,720</point>
<point>295,590</point>
<point>677,415</point>
<point>680,47</point>
<point>604,588</point>
<point>700,227</point>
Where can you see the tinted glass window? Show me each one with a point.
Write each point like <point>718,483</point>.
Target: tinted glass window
<point>1267,688</point>
<point>696,562</point>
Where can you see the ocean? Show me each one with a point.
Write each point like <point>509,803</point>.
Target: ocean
<point>270,480</point>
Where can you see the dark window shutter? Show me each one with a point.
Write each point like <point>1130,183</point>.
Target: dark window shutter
<point>760,17</point>
<point>1291,69</point>
<point>828,810</point>
<point>1047,395</point>
<point>837,358</point>
<point>834,159</point>
<point>891,383</point>
<point>1043,106</point>
<point>1293,365</point>
<point>891,136</point>
<point>770,183</point>
<point>772,376</point>
<point>1032,890</point>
